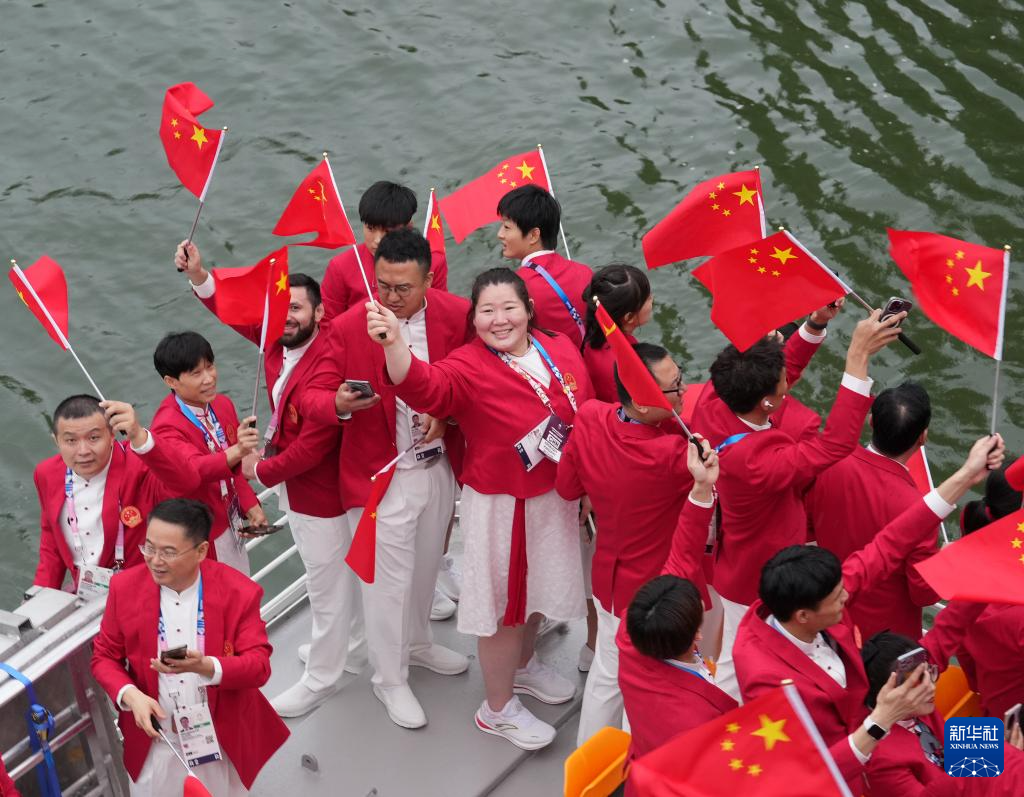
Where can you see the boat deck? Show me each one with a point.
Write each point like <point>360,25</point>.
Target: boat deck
<point>360,752</point>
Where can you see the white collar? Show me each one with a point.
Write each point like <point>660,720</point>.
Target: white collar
<point>298,351</point>
<point>191,591</point>
<point>757,427</point>
<point>419,317</point>
<point>874,450</point>
<point>806,647</point>
<point>101,476</point>
<point>197,411</point>
<point>532,255</point>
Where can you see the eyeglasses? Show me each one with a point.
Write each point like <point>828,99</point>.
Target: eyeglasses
<point>677,387</point>
<point>167,554</point>
<point>402,290</point>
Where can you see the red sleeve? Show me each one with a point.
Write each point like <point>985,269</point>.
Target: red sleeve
<point>108,649</point>
<point>7,787</point>
<point>567,476</point>
<point>951,626</point>
<point>249,667</point>
<point>246,495</point>
<point>315,440</point>
<point>920,590</point>
<point>439,268</point>
<point>849,767</point>
<point>685,557</point>
<point>51,569</point>
<point>171,460</point>
<point>249,332</point>
<point>333,291</point>
<point>435,388</point>
<point>317,402</point>
<point>798,354</point>
<point>890,775</point>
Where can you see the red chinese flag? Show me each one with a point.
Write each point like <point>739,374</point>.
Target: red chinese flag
<point>362,553</point>
<point>316,207</point>
<point>433,229</point>
<point>768,747</point>
<point>987,565</point>
<point>717,215</point>
<point>44,291</point>
<point>632,372</point>
<point>764,284</point>
<point>279,295</point>
<point>475,204</point>
<point>959,286</point>
<point>922,476</point>
<point>194,787</point>
<point>191,148</point>
<point>242,293</point>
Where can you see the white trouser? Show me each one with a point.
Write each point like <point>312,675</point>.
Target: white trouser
<point>163,775</point>
<point>334,599</point>
<point>725,672</point>
<point>412,520</point>
<point>602,699</point>
<point>231,551</point>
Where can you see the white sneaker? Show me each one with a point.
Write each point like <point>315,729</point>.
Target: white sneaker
<point>439,659</point>
<point>351,666</point>
<point>515,723</point>
<point>585,659</point>
<point>542,682</point>
<point>443,607</point>
<point>402,706</point>
<point>547,626</point>
<point>300,699</point>
<point>449,579</point>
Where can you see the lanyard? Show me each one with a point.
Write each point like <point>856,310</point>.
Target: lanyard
<point>683,668</point>
<point>221,442</point>
<point>200,625</point>
<point>69,508</point>
<point>573,312</point>
<point>506,358</point>
<point>620,413</point>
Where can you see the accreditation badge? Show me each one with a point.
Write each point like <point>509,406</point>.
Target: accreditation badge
<point>196,733</point>
<point>528,446</point>
<point>554,438</point>
<point>93,582</point>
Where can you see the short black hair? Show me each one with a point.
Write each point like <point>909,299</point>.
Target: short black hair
<point>879,654</point>
<point>999,501</point>
<point>621,289</point>
<point>500,276</point>
<point>193,516</point>
<point>72,408</point>
<point>180,352</point>
<point>798,577</point>
<point>742,378</point>
<point>899,416</point>
<point>311,285</point>
<point>402,245</point>
<point>531,206</point>
<point>664,616</point>
<point>649,354</point>
<point>385,204</point>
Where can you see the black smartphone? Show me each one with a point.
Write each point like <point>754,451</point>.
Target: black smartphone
<point>909,662</point>
<point>360,386</point>
<point>1012,718</point>
<point>177,653</point>
<point>895,305</point>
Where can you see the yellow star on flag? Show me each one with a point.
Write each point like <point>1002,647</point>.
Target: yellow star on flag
<point>513,184</point>
<point>959,254</point>
<point>949,279</point>
<point>174,122</point>
<point>715,206</point>
<point>712,195</point>
<point>732,727</point>
<point>1020,527</point>
<point>726,212</point>
<point>720,186</point>
<point>746,195</point>
<point>776,274</point>
<point>783,255</point>
<point>22,297</point>
<point>198,135</point>
<point>752,260</point>
<point>761,269</point>
<point>177,134</point>
<point>771,731</point>
<point>435,222</point>
<point>282,283</point>
<point>753,251</point>
<point>977,276</point>
<point>956,291</point>
<point>1022,559</point>
<point>728,744</point>
<point>526,170</point>
<point>754,769</point>
<point>736,764</point>
<point>1016,543</point>
<point>949,262</point>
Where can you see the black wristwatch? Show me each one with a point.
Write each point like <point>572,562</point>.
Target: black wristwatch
<point>816,327</point>
<point>875,731</point>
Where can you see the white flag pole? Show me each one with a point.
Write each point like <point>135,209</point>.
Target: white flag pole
<point>355,247</point>
<point>430,212</point>
<point>60,333</point>
<point>551,189</point>
<point>202,196</point>
<point>999,340</point>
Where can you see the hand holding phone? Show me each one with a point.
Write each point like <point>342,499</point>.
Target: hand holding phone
<point>174,654</point>
<point>360,386</point>
<point>908,662</point>
<point>894,306</point>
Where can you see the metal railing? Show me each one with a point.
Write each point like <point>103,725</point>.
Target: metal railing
<point>86,743</point>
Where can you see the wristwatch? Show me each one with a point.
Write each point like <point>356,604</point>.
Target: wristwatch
<point>816,327</point>
<point>875,731</point>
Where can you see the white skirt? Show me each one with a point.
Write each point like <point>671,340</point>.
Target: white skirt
<point>554,581</point>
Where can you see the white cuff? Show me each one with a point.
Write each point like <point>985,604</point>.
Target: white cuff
<point>218,674</point>
<point>858,385</point>
<point>938,504</point>
<point>146,447</point>
<point>703,504</point>
<point>207,289</point>
<point>120,695</point>
<point>256,473</point>
<point>863,759</point>
<point>344,416</point>
<point>810,335</point>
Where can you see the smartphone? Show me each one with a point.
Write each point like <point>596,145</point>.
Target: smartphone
<point>1012,718</point>
<point>360,386</point>
<point>909,662</point>
<point>174,653</point>
<point>895,305</point>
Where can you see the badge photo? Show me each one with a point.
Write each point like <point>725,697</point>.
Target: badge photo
<point>131,516</point>
<point>293,414</point>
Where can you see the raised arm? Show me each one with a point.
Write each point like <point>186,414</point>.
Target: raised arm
<point>691,532</point>
<point>188,260</point>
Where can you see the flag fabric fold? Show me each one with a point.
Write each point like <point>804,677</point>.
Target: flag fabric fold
<point>631,369</point>
<point>191,149</point>
<point>247,295</point>
<point>433,228</point>
<point>985,566</point>
<point>764,284</point>
<point>717,215</point>
<point>362,553</point>
<point>475,204</point>
<point>768,747</point>
<point>958,285</point>
<point>316,207</point>
<point>44,290</point>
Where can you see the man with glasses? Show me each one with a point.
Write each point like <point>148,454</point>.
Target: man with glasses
<point>182,645</point>
<point>636,477</point>
<point>348,388</point>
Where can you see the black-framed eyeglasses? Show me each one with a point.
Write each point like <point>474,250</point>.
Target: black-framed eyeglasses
<point>677,387</point>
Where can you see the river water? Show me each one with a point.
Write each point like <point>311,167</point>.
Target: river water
<point>862,115</point>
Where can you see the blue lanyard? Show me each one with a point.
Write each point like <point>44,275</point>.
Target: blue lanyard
<point>621,413</point>
<point>200,625</point>
<point>573,312</point>
<point>730,440</point>
<point>221,439</point>
<point>506,358</point>
<point>685,669</point>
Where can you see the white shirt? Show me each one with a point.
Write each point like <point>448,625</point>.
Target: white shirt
<point>874,450</point>
<point>698,668</point>
<point>533,364</point>
<point>414,332</point>
<point>818,651</point>
<point>88,496</point>
<point>291,359</point>
<point>532,255</point>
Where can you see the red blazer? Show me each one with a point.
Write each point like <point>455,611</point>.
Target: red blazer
<point>131,492</point>
<point>550,312</point>
<point>198,472</point>
<point>248,729</point>
<point>7,787</point>
<point>846,507</point>
<point>305,452</point>
<point>995,644</point>
<point>368,440</point>
<point>495,407</point>
<point>342,286</point>
<point>600,363</point>
<point>607,459</point>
